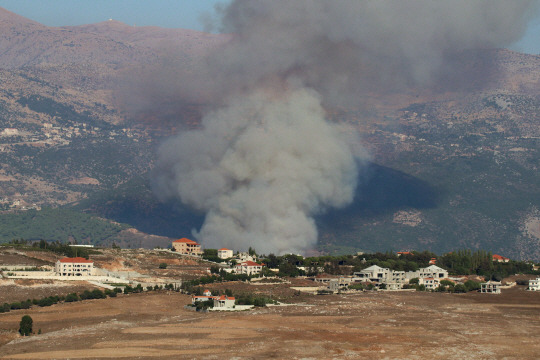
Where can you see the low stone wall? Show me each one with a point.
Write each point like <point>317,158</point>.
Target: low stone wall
<point>235,308</point>
<point>51,275</point>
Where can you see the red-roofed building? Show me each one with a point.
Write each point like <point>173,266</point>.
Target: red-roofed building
<point>224,301</point>
<point>432,261</point>
<point>499,258</point>
<point>399,253</point>
<point>224,253</point>
<point>248,267</point>
<point>76,266</point>
<point>187,247</point>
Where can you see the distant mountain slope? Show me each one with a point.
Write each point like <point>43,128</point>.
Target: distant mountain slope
<point>28,43</point>
<point>452,167</point>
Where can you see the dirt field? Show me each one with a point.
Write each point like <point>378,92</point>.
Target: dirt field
<point>362,326</point>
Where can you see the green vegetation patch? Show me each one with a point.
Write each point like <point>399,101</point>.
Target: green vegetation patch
<point>57,225</point>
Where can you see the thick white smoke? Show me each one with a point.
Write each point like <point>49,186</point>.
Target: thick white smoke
<point>261,167</point>
<point>265,159</point>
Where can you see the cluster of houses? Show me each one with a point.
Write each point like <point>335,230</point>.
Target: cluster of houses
<point>430,276</point>
<point>245,263</point>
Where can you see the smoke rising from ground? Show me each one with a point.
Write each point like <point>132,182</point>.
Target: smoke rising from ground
<point>265,159</point>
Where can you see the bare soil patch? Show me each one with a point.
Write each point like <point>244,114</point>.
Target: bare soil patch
<point>360,326</point>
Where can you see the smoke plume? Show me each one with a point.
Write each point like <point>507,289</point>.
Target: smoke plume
<point>265,159</point>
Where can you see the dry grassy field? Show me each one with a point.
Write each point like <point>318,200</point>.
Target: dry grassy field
<point>376,325</point>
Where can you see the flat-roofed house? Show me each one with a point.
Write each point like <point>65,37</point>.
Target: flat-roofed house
<point>76,266</point>
<point>534,285</point>
<point>187,247</point>
<point>224,301</point>
<point>491,287</point>
<point>248,267</point>
<point>430,283</point>
<point>224,253</point>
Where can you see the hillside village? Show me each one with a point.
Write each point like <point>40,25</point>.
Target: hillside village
<point>312,276</point>
<point>83,294</point>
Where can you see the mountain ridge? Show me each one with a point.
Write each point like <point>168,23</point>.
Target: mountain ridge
<point>472,146</point>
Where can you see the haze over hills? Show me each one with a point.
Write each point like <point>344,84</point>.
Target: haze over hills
<point>452,167</point>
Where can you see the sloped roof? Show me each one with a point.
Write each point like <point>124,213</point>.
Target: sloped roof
<point>249,263</point>
<point>374,267</point>
<point>186,240</point>
<point>224,249</point>
<point>76,260</point>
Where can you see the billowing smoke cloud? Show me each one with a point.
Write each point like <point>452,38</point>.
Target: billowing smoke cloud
<point>265,160</point>
<point>260,167</point>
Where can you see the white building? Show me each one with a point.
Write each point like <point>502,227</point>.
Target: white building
<point>373,273</point>
<point>224,301</point>
<point>534,285</point>
<point>432,271</point>
<point>224,253</point>
<point>9,132</point>
<point>396,279</point>
<point>491,287</point>
<point>77,266</point>
<point>430,283</point>
<point>248,267</point>
<point>244,256</point>
<point>337,284</point>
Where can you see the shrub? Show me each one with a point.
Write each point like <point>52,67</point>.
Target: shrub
<point>25,326</point>
<point>98,294</point>
<point>48,301</point>
<point>472,285</point>
<point>72,297</point>
<point>163,266</point>
<point>357,286</point>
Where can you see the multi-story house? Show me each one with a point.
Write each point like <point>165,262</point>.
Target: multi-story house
<point>76,266</point>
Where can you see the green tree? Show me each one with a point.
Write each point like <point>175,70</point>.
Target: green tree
<point>162,265</point>
<point>25,326</point>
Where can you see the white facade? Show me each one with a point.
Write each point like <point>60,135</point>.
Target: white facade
<point>248,267</point>
<point>429,283</point>
<point>224,253</point>
<point>534,285</point>
<point>77,266</point>
<point>432,271</point>
<point>491,287</point>
<point>373,273</point>
<point>224,301</point>
<point>396,279</point>
<point>244,256</point>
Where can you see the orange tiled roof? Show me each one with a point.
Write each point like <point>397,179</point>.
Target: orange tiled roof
<point>186,240</point>
<point>75,260</point>
<point>249,263</point>
<point>499,257</point>
<point>222,249</point>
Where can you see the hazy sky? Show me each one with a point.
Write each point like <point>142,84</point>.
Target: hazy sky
<point>184,14</point>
